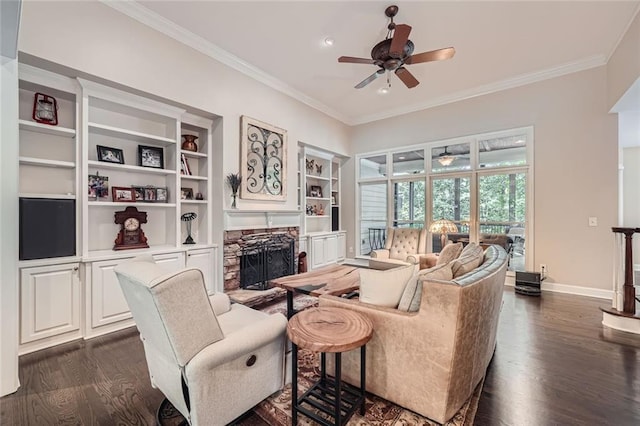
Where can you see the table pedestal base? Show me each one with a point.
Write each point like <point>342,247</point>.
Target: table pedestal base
<point>328,395</point>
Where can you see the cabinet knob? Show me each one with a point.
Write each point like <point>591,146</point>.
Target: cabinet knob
<point>75,269</point>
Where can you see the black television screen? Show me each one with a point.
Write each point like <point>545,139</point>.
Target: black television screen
<point>47,228</point>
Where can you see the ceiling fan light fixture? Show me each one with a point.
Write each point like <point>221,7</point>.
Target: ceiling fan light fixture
<point>446,160</point>
<point>328,41</point>
<point>384,90</point>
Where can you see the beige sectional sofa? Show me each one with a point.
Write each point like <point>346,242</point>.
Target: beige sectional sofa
<point>431,360</point>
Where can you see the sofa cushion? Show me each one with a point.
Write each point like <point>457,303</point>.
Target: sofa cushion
<point>449,252</point>
<point>384,288</point>
<point>467,261</point>
<point>410,300</point>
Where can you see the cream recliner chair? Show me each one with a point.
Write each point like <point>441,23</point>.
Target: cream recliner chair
<point>212,360</point>
<point>403,246</point>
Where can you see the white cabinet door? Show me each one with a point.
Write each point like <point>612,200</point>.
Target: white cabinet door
<point>317,252</point>
<point>342,246</point>
<point>49,301</point>
<point>331,249</point>
<point>171,262</point>
<point>108,304</point>
<point>203,260</point>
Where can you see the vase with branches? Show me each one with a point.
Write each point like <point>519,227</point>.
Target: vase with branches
<point>234,180</point>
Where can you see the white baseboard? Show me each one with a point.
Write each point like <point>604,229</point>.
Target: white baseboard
<point>570,289</point>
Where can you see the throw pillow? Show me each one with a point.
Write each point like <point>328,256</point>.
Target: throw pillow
<point>469,249</point>
<point>384,288</point>
<point>449,253</point>
<point>410,300</point>
<point>467,262</point>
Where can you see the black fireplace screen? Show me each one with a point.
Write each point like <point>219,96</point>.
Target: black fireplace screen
<point>266,260</point>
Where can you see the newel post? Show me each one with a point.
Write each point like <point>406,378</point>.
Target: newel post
<point>629,301</point>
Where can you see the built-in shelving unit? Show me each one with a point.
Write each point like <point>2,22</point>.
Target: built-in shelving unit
<point>56,161</point>
<point>319,195</point>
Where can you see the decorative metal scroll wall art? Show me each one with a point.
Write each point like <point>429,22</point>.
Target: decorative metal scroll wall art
<point>264,160</point>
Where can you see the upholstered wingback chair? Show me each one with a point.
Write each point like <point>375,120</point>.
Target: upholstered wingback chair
<point>403,246</point>
<point>212,360</point>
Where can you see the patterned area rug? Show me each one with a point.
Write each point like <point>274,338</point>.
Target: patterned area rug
<point>276,410</point>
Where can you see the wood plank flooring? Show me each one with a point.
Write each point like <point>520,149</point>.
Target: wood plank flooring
<point>555,364</point>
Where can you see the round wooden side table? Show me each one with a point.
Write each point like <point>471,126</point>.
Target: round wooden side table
<point>328,330</point>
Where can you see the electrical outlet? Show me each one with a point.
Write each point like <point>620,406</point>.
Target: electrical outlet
<point>593,221</point>
<point>543,270</point>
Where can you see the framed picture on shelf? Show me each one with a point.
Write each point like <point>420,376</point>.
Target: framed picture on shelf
<point>186,193</point>
<point>151,156</point>
<point>110,155</point>
<point>98,187</point>
<point>123,195</point>
<point>162,195</point>
<point>315,191</point>
<point>150,194</point>
<point>139,192</point>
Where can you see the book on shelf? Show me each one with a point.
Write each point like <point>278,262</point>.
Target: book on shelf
<point>184,166</point>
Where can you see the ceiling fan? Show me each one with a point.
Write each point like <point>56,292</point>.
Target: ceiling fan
<point>445,158</point>
<point>396,51</point>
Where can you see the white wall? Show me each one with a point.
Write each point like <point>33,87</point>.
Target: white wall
<point>97,40</point>
<point>575,164</point>
<point>8,225</point>
<point>631,195</point>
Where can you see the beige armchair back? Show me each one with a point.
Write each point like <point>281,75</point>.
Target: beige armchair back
<point>198,349</point>
<point>403,246</point>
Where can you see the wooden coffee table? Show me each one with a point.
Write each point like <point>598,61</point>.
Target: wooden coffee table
<point>334,330</point>
<point>333,279</point>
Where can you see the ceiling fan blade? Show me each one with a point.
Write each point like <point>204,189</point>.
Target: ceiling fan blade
<point>434,55</point>
<point>352,60</point>
<point>407,78</point>
<point>369,79</point>
<point>400,37</point>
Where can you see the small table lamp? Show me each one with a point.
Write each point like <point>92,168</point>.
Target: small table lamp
<point>443,227</point>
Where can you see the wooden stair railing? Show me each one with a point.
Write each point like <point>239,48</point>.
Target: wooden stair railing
<point>629,294</point>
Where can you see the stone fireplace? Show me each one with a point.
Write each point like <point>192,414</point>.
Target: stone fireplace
<point>251,257</point>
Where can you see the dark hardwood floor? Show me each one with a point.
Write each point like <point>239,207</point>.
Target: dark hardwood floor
<point>555,364</point>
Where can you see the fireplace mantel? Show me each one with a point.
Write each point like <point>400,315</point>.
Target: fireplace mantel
<point>236,220</point>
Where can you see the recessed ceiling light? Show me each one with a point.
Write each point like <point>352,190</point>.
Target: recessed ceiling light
<point>383,90</point>
<point>328,41</point>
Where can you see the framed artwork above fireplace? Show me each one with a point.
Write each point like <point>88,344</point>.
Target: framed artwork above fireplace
<point>263,160</point>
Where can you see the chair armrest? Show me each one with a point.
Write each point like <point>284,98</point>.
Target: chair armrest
<point>235,345</point>
<point>220,303</point>
<point>426,260</point>
<point>379,254</point>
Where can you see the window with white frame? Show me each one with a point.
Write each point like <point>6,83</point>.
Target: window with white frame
<point>480,183</point>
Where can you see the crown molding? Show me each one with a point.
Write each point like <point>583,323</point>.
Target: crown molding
<point>623,33</point>
<point>510,83</point>
<point>151,19</point>
<point>170,29</point>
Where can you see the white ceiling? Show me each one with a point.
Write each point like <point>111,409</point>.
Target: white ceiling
<point>498,45</point>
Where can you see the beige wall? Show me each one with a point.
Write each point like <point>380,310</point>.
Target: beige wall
<point>623,67</point>
<point>96,39</point>
<point>575,164</point>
